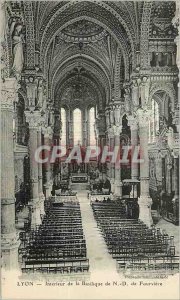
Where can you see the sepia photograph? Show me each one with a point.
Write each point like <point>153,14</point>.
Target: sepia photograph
<point>90,149</point>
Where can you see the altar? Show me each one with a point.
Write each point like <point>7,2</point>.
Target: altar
<point>79,178</point>
<point>79,181</point>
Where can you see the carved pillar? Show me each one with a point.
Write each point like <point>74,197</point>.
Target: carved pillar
<point>40,178</point>
<point>70,141</point>
<point>145,201</point>
<point>117,128</point>
<point>107,137</point>
<point>176,188</point>
<point>47,132</point>
<point>85,127</point>
<point>134,143</point>
<point>100,134</point>
<point>111,143</point>
<point>9,243</point>
<point>57,141</point>
<point>111,148</point>
<point>176,23</point>
<point>33,118</point>
<point>117,167</point>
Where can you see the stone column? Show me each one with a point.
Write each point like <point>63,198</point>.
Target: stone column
<point>134,143</point>
<point>176,23</point>
<point>117,108</point>
<point>40,178</point>
<point>100,134</point>
<point>107,137</point>
<point>70,141</point>
<point>57,136</point>
<point>117,167</point>
<point>85,127</point>
<point>111,165</point>
<point>9,243</point>
<point>101,144</point>
<point>144,201</point>
<point>176,187</point>
<point>33,117</point>
<point>47,132</point>
<point>176,177</point>
<point>111,142</point>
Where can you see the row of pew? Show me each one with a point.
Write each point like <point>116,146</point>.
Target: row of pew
<point>58,245</point>
<point>135,246</point>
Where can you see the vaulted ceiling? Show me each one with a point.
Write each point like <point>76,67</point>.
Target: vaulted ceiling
<point>89,36</point>
<point>91,48</point>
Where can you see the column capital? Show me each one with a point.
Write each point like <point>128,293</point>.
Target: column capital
<point>33,118</point>
<point>9,94</point>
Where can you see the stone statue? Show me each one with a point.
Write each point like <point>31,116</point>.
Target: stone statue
<point>127,100</point>
<point>107,118</point>
<point>31,87</point>
<point>51,117</point>
<point>40,94</point>
<point>17,42</point>
<point>44,100</point>
<point>117,115</point>
<point>111,115</point>
<point>3,45</point>
<point>3,27</point>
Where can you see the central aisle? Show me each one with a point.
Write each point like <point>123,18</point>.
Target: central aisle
<point>99,259</point>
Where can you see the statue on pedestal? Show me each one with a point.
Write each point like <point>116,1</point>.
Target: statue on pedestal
<point>17,43</point>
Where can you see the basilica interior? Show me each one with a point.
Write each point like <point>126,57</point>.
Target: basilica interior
<point>90,73</point>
